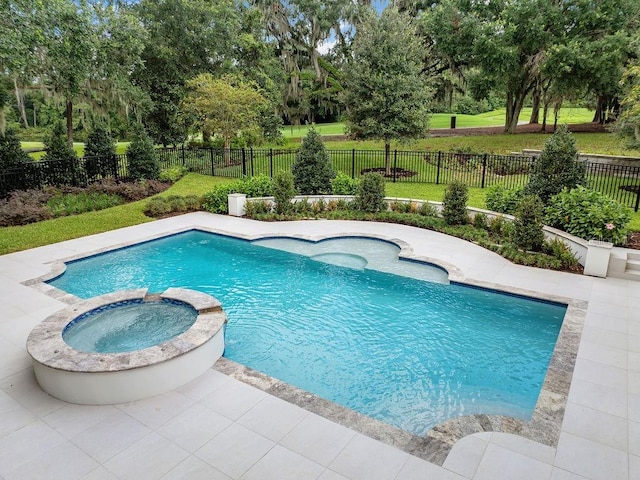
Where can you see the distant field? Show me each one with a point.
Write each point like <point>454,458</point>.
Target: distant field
<point>494,118</point>
<point>121,147</point>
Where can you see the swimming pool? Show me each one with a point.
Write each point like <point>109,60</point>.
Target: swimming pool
<point>409,352</point>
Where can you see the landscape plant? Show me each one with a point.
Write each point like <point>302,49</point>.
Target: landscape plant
<point>454,204</point>
<point>100,153</point>
<point>343,184</point>
<point>557,167</point>
<point>283,191</point>
<point>61,158</point>
<point>589,214</point>
<point>370,197</point>
<point>142,161</point>
<point>504,200</point>
<point>312,169</point>
<point>528,224</point>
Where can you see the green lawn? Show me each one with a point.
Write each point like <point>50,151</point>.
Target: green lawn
<point>121,147</point>
<point>494,118</point>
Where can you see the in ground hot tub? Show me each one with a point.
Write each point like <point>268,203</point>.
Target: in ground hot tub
<point>127,345</point>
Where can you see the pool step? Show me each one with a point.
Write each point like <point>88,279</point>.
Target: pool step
<point>633,264</point>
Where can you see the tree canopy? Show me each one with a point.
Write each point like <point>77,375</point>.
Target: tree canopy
<point>386,96</point>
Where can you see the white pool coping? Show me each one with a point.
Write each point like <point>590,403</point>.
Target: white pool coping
<point>599,437</point>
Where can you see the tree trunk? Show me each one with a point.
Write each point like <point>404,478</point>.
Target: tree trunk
<point>387,158</point>
<point>514,107</point>
<point>599,116</point>
<point>535,112</point>
<point>227,151</point>
<point>206,136</point>
<point>545,112</point>
<point>69,115</point>
<point>20,102</point>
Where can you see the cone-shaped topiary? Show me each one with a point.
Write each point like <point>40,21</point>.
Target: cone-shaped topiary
<point>100,153</point>
<point>283,191</point>
<point>454,204</point>
<point>312,170</point>
<point>61,159</point>
<point>527,226</point>
<point>11,153</point>
<point>557,167</point>
<point>141,157</point>
<point>370,196</point>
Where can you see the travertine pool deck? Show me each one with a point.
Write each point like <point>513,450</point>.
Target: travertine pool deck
<point>218,427</point>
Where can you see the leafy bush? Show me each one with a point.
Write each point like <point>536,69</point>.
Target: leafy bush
<point>257,207</point>
<point>74,203</point>
<point>480,221</point>
<point>428,210</point>
<point>370,196</point>
<point>258,186</point>
<point>163,206</point>
<point>454,204</point>
<point>527,226</point>
<point>557,167</point>
<point>503,200</point>
<point>100,153</point>
<point>558,249</point>
<point>172,174</point>
<point>216,201</point>
<point>142,161</point>
<point>343,184</point>
<point>589,214</point>
<point>312,170</point>
<point>283,191</point>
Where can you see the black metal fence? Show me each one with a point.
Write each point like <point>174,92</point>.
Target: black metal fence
<point>621,182</point>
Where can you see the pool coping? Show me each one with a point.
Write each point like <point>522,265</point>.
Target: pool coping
<point>544,426</point>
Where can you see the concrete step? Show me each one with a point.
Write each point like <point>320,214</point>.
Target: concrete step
<point>632,266</point>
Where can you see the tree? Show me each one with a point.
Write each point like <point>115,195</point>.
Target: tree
<point>628,125</point>
<point>99,153</point>
<point>226,106</point>
<point>312,170</point>
<point>61,159</point>
<point>142,161</point>
<point>528,233</point>
<point>185,38</point>
<point>557,167</point>
<point>11,152</point>
<point>386,95</point>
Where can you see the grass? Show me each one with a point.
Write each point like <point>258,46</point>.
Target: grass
<point>121,147</point>
<point>494,118</point>
<point>13,239</point>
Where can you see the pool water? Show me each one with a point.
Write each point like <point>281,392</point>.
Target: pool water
<point>129,326</point>
<point>409,352</point>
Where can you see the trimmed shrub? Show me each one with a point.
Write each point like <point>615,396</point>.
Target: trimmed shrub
<point>480,221</point>
<point>258,186</point>
<point>64,204</point>
<point>343,184</point>
<point>11,153</point>
<point>61,158</point>
<point>142,161</point>
<point>216,201</point>
<point>172,174</point>
<point>454,204</point>
<point>503,200</point>
<point>557,167</point>
<point>283,191</point>
<point>527,226</point>
<point>100,153</point>
<point>312,170</point>
<point>370,196</point>
<point>589,214</point>
<point>428,210</point>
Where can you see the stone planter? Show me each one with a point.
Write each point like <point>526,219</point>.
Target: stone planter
<point>597,261</point>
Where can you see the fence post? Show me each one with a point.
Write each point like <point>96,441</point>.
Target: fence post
<point>353,163</point>
<point>637,205</point>
<point>183,159</point>
<point>395,165</point>
<point>438,169</point>
<point>244,163</point>
<point>251,160</point>
<point>213,162</point>
<point>484,169</point>
<point>271,162</point>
